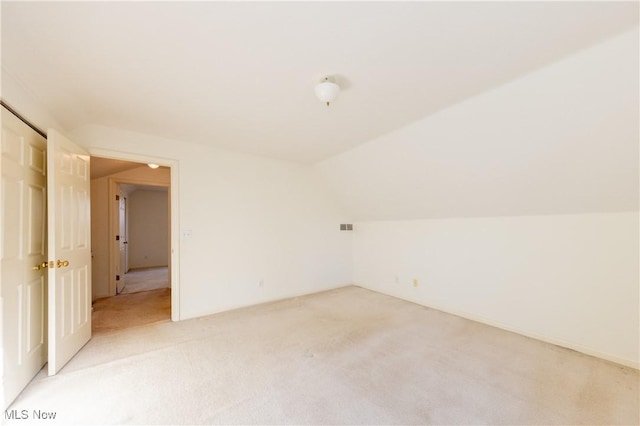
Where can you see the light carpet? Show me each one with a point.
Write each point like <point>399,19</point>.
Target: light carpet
<point>137,280</point>
<point>347,356</point>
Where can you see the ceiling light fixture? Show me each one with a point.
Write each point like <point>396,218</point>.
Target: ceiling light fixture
<point>153,166</point>
<point>327,91</point>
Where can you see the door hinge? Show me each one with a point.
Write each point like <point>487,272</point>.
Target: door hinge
<point>117,198</point>
<point>117,237</point>
<point>117,277</point>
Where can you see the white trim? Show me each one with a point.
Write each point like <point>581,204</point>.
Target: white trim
<point>174,197</point>
<point>2,213</point>
<point>113,226</point>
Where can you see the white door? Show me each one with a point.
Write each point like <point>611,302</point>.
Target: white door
<point>69,249</point>
<point>23,229</point>
<point>121,264</point>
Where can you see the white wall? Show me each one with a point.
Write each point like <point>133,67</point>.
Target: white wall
<point>100,221</point>
<point>525,200</point>
<point>251,219</point>
<point>148,228</point>
<point>99,238</point>
<point>567,279</point>
<point>561,140</point>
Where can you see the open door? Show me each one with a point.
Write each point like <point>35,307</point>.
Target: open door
<point>69,249</point>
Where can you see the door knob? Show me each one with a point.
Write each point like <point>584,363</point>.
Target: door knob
<point>39,266</point>
<point>62,263</point>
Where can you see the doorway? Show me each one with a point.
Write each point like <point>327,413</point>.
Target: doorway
<point>142,237</point>
<point>122,239</point>
<point>132,240</point>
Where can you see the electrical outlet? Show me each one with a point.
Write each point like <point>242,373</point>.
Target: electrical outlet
<point>415,282</point>
<point>261,283</point>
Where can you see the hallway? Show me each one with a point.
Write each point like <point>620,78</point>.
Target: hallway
<point>145,299</point>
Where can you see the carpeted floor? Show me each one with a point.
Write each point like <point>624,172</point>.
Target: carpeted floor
<point>137,280</point>
<point>347,356</point>
<point>130,310</point>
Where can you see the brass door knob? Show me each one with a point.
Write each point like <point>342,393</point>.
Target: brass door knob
<point>39,266</point>
<point>62,263</point>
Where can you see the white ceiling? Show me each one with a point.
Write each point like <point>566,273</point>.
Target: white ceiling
<point>101,167</point>
<point>241,75</point>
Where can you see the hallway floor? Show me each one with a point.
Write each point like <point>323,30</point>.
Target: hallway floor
<point>131,310</point>
<point>146,279</point>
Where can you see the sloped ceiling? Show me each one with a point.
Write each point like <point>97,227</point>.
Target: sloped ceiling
<point>561,140</point>
<point>240,75</point>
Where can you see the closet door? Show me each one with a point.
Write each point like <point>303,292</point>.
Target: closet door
<point>69,249</point>
<point>23,252</point>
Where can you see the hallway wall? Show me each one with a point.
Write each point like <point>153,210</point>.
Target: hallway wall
<point>148,228</point>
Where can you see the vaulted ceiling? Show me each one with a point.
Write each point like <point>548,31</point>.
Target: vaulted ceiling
<point>241,75</point>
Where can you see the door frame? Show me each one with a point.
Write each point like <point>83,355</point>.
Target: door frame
<point>122,225</point>
<point>174,196</point>
<point>114,226</point>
